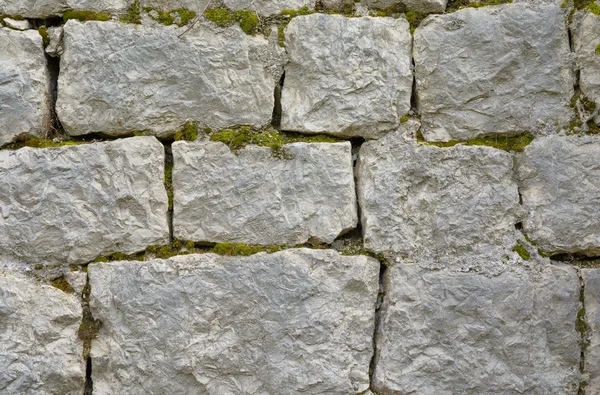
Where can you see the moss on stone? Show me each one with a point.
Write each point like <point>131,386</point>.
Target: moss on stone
<point>62,284</point>
<point>594,8</point>
<point>455,5</point>
<point>222,17</point>
<point>133,14</point>
<point>237,249</point>
<point>86,16</point>
<point>167,18</point>
<point>404,119</point>
<point>522,251</point>
<point>38,142</point>
<point>506,143</point>
<point>43,31</point>
<point>598,49</point>
<point>290,14</point>
<point>188,132</point>
<point>169,183</point>
<point>414,19</point>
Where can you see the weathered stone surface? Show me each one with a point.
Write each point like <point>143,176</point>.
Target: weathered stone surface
<point>268,7</point>
<point>445,332</point>
<point>585,42</point>
<point>346,76</point>
<point>111,6</point>
<point>298,321</point>
<point>591,281</point>
<point>117,78</point>
<point>424,6</point>
<point>47,8</point>
<point>25,93</point>
<point>253,197</point>
<point>559,181</point>
<point>72,204</point>
<point>167,5</point>
<point>493,70</point>
<point>438,206</point>
<point>39,349</point>
<point>17,24</point>
<point>55,46</point>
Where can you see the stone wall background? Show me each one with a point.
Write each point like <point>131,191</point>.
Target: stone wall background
<point>288,196</point>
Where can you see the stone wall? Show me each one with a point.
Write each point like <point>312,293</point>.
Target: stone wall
<point>297,197</point>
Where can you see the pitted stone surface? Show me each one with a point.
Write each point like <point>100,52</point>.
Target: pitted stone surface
<point>346,76</point>
<point>586,42</point>
<point>591,280</point>
<point>424,6</point>
<point>298,322</point>
<point>119,78</point>
<point>493,70</point>
<point>444,332</point>
<point>253,197</point>
<point>71,204</point>
<point>25,92</point>
<point>438,206</point>
<point>268,7</point>
<point>560,187</point>
<point>39,349</point>
<point>48,8</point>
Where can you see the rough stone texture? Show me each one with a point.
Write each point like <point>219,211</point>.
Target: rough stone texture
<point>585,41</point>
<point>444,332</point>
<point>39,349</point>
<point>268,7</point>
<point>17,24</point>
<point>117,78</point>
<point>72,204</point>
<point>493,70</point>
<point>55,47</point>
<point>298,321</point>
<point>346,76</point>
<point>255,198</point>
<point>591,279</point>
<point>438,206</point>
<point>112,6</point>
<point>560,187</point>
<point>25,92</point>
<point>47,8</point>
<point>424,6</point>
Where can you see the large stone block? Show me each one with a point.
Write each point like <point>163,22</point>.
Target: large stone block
<point>444,332</point>
<point>25,93</point>
<point>294,322</point>
<point>268,7</point>
<point>424,6</point>
<point>438,206</point>
<point>39,349</point>
<point>253,197</point>
<point>493,70</point>
<point>72,204</point>
<point>118,78</point>
<point>48,8</point>
<point>586,42</point>
<point>346,76</point>
<point>560,187</point>
<point>591,282</point>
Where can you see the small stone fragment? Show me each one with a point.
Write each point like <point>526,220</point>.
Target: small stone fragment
<point>445,332</point>
<point>293,322</point>
<point>454,206</point>
<point>591,325</point>
<point>39,349</point>
<point>493,70</point>
<point>346,76</point>
<point>120,78</point>
<point>69,205</point>
<point>254,197</point>
<point>559,181</point>
<point>55,47</point>
<point>25,93</point>
<point>17,24</point>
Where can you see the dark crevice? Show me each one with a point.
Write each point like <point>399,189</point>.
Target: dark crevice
<point>570,36</point>
<point>169,185</point>
<point>579,260</point>
<point>276,118</point>
<point>519,226</point>
<point>55,128</point>
<point>378,321</point>
<point>414,100</point>
<point>582,328</point>
<point>89,383</point>
<point>88,331</point>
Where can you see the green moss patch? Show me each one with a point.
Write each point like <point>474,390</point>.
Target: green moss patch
<point>43,31</point>
<point>62,284</point>
<point>522,251</point>
<point>37,142</point>
<point>506,143</point>
<point>222,17</point>
<point>86,16</point>
<point>188,132</point>
<point>594,8</point>
<point>133,14</point>
<point>167,18</point>
<point>169,183</point>
<point>455,5</point>
<point>598,49</point>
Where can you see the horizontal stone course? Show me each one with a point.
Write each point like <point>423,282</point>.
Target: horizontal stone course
<point>120,78</point>
<point>298,321</point>
<point>39,349</point>
<point>253,197</point>
<point>25,85</point>
<point>72,204</point>
<point>444,332</point>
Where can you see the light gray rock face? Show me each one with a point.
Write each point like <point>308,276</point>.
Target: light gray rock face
<point>39,349</point>
<point>443,332</point>
<point>298,322</point>
<point>346,76</point>
<point>586,39</point>
<point>424,6</point>
<point>110,6</point>
<point>25,93</point>
<point>118,78</point>
<point>47,8</point>
<point>438,206</point>
<point>560,187</point>
<point>255,198</point>
<point>17,24</point>
<point>493,70</point>
<point>268,7</point>
<point>55,46</point>
<point>591,279</point>
<point>72,204</point>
